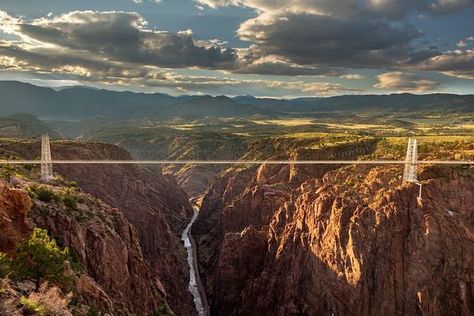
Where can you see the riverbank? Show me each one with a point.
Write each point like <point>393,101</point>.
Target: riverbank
<point>195,284</point>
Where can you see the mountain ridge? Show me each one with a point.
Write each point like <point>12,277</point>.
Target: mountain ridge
<point>83,102</point>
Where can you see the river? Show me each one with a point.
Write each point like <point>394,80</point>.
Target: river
<point>195,286</point>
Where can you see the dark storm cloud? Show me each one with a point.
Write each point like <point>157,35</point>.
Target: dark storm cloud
<point>345,8</point>
<point>320,40</point>
<point>328,33</point>
<point>123,36</point>
<point>48,61</point>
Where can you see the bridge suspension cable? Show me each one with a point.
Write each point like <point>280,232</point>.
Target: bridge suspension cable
<point>409,174</point>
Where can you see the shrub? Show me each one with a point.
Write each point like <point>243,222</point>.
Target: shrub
<point>4,265</point>
<point>44,194</point>
<point>39,258</point>
<point>6,171</point>
<point>73,184</point>
<point>52,299</point>
<point>70,201</point>
<point>32,307</point>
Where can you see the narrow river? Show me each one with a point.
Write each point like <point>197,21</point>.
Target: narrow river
<point>195,286</point>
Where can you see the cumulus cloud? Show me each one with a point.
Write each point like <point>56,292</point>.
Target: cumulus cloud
<point>387,8</point>
<point>287,38</point>
<point>111,73</point>
<point>336,43</point>
<point>343,33</point>
<point>404,82</point>
<point>122,37</point>
<point>125,37</point>
<point>458,63</point>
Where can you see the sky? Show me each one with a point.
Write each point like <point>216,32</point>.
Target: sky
<point>264,48</point>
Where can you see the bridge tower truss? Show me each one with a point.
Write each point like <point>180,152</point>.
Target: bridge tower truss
<point>411,161</point>
<point>46,160</point>
<point>410,173</point>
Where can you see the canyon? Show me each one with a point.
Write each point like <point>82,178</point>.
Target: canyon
<point>267,240</point>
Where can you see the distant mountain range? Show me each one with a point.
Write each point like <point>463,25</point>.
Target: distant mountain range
<point>83,102</point>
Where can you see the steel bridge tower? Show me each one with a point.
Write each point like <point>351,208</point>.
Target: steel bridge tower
<point>46,160</point>
<point>411,165</point>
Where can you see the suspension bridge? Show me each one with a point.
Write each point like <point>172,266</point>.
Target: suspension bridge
<point>411,162</point>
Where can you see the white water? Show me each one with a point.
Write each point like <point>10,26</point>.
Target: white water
<point>193,286</point>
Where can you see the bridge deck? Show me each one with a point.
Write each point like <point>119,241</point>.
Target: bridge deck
<point>232,162</point>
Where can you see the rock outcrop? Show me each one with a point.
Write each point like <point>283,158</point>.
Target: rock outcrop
<point>338,241</point>
<point>14,207</point>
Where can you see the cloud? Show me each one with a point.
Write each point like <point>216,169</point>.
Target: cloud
<point>268,65</point>
<point>85,70</point>
<point>457,63</point>
<point>448,6</point>
<point>404,82</point>
<point>388,8</point>
<point>343,33</point>
<point>356,43</point>
<point>291,87</point>
<point>122,37</point>
<point>353,76</point>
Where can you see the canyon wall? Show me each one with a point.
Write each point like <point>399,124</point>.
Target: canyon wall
<point>353,240</point>
<point>153,206</point>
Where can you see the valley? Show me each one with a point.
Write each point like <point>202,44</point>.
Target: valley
<point>246,239</point>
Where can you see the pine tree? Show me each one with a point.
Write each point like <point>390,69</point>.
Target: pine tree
<point>39,258</point>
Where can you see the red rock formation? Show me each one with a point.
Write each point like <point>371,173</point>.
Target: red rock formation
<point>117,278</point>
<point>151,202</point>
<point>352,241</point>
<point>14,207</point>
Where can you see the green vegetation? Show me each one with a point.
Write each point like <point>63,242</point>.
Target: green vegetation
<point>4,265</point>
<point>164,309</point>
<point>68,196</point>
<point>6,171</point>
<point>43,193</point>
<point>39,258</point>
<point>33,307</point>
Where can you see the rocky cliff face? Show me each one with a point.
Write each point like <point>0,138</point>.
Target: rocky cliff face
<point>153,204</point>
<point>109,271</point>
<point>118,279</point>
<point>14,207</point>
<point>338,241</point>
